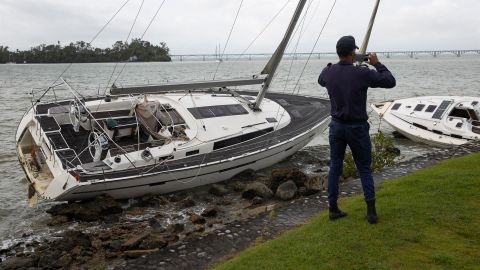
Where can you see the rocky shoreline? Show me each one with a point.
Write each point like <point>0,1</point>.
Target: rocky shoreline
<point>194,229</point>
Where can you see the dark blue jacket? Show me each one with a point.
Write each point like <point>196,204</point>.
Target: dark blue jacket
<point>347,87</point>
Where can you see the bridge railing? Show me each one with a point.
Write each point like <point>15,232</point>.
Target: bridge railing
<point>256,56</point>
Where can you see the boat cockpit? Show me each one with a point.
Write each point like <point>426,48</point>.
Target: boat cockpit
<point>469,115</point>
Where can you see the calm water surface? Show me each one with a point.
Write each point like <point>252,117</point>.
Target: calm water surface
<point>444,75</point>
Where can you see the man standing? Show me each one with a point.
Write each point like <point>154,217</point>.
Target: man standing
<point>347,86</point>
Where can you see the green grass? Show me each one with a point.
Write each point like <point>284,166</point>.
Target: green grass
<point>429,219</point>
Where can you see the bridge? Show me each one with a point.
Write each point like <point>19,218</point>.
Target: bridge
<point>317,55</point>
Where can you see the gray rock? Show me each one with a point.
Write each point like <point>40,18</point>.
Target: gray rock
<point>210,211</point>
<point>315,183</point>
<point>18,263</point>
<point>218,190</point>
<point>175,228</point>
<point>72,239</point>
<point>115,245</point>
<point>57,220</point>
<point>237,185</point>
<point>187,202</point>
<point>281,175</point>
<point>91,210</point>
<point>286,191</point>
<point>155,225</point>
<point>134,241</point>
<point>197,219</point>
<point>257,189</point>
<point>257,200</point>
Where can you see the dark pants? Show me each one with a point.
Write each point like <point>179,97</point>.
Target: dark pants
<point>357,137</point>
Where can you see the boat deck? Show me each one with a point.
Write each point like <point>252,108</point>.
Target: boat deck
<point>305,113</point>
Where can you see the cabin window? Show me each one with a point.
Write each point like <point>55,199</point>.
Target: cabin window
<point>194,152</point>
<point>474,103</point>
<point>437,132</point>
<point>271,120</point>
<point>217,111</point>
<point>460,113</point>
<point>396,106</point>
<point>431,108</point>
<point>419,107</point>
<point>459,125</point>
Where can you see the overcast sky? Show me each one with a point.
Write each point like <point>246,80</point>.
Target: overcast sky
<point>197,26</point>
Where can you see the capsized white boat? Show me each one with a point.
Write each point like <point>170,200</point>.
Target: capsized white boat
<point>434,120</point>
<point>162,138</point>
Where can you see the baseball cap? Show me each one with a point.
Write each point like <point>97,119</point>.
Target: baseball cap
<point>346,43</point>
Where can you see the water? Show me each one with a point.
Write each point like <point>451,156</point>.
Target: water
<point>424,76</point>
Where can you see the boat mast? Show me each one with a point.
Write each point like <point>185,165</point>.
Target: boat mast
<point>366,39</point>
<point>272,64</point>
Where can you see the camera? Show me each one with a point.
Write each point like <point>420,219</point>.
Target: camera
<point>360,57</point>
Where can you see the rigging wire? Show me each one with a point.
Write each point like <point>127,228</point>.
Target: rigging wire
<point>228,38</point>
<point>310,54</point>
<point>302,23</point>
<point>141,37</point>
<point>261,32</point>
<point>314,46</point>
<point>126,40</point>
<point>91,41</point>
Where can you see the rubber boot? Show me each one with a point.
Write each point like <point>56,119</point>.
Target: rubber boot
<point>372,217</point>
<point>335,213</point>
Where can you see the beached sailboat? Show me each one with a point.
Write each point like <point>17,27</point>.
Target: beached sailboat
<point>434,120</point>
<point>163,138</point>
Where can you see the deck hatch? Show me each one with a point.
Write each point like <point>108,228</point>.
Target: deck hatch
<point>396,106</point>
<point>441,109</point>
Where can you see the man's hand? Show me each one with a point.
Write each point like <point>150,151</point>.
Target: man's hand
<point>372,59</point>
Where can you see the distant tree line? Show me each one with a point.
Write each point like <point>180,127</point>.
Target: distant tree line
<point>83,52</point>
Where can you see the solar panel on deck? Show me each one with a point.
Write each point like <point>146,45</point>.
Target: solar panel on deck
<point>217,111</point>
<point>441,109</point>
<point>396,106</point>
<point>431,108</point>
<point>419,107</point>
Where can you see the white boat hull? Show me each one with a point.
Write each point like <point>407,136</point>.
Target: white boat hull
<point>193,177</point>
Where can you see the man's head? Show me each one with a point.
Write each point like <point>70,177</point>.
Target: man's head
<point>346,48</point>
